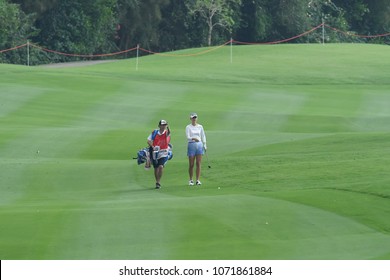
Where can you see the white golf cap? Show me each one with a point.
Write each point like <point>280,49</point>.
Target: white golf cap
<point>163,122</point>
<point>193,115</point>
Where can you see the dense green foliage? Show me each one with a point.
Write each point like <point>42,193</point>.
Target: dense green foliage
<point>106,26</point>
<point>15,27</point>
<point>298,140</point>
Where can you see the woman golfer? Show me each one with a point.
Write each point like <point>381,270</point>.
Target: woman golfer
<point>196,147</point>
<point>158,142</point>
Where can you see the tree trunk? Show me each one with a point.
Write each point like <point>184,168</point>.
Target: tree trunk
<point>209,36</point>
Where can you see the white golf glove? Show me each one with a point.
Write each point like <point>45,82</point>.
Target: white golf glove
<point>205,146</point>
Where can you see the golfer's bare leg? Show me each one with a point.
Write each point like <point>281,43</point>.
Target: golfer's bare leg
<point>191,161</point>
<point>198,166</point>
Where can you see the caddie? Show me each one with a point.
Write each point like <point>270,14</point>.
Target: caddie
<point>158,142</point>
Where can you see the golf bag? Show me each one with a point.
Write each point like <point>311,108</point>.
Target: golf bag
<point>143,155</point>
<point>146,156</point>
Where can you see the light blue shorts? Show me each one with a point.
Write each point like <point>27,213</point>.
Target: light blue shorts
<point>195,148</point>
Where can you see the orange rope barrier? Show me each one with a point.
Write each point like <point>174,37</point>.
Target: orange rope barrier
<point>281,41</point>
<point>14,48</point>
<point>82,55</point>
<point>356,35</point>
<point>197,53</point>
<point>186,55</point>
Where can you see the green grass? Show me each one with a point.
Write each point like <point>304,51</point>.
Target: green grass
<point>298,139</point>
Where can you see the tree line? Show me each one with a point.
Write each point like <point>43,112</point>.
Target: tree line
<point>107,26</point>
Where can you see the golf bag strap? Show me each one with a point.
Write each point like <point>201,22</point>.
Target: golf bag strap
<point>154,133</point>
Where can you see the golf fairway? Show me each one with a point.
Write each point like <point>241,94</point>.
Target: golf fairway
<point>298,144</point>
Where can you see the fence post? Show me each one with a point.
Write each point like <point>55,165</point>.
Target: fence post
<point>323,31</point>
<point>28,53</point>
<point>231,50</point>
<point>136,65</point>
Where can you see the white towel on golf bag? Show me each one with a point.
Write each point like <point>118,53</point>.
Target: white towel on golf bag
<point>160,154</point>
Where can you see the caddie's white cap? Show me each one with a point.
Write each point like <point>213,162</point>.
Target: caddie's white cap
<point>163,122</point>
<point>193,115</point>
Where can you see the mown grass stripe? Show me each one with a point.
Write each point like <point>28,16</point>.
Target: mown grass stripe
<point>297,138</point>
